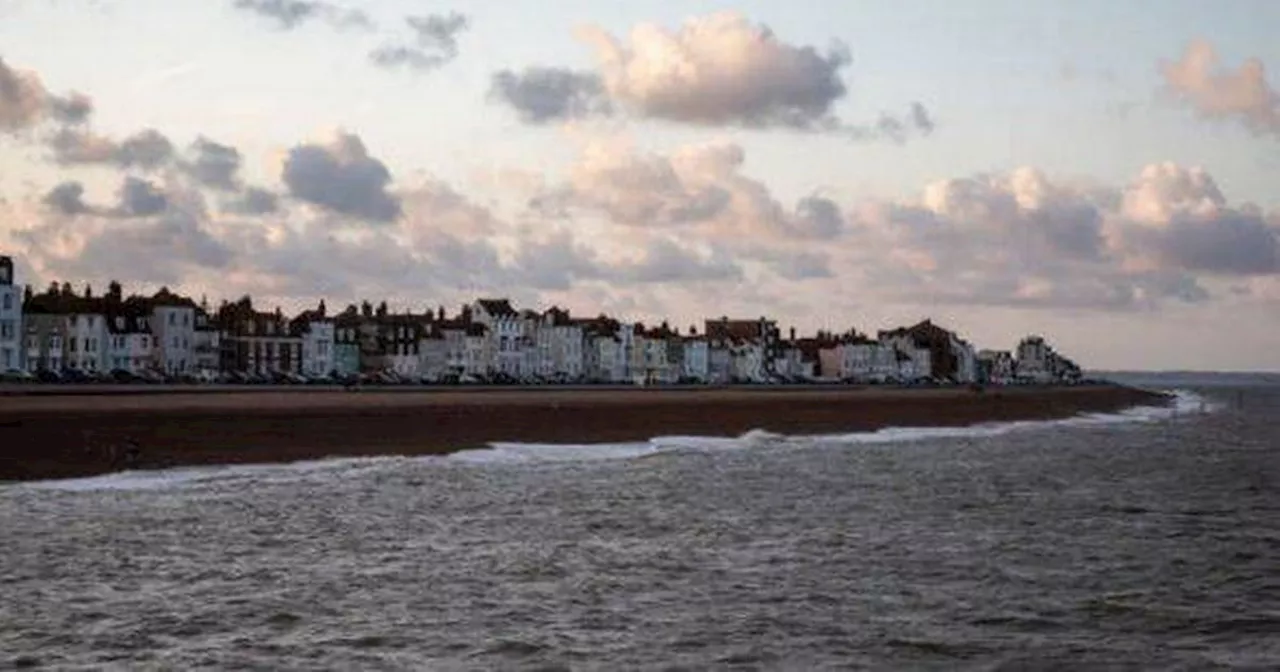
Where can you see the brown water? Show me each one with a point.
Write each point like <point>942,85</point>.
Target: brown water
<point>1138,545</point>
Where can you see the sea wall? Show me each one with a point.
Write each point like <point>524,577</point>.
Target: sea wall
<point>60,436</point>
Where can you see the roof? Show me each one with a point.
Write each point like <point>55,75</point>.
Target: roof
<point>742,330</point>
<point>168,299</point>
<point>498,307</point>
<point>558,317</point>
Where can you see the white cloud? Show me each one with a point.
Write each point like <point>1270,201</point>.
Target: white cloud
<point>1242,95</point>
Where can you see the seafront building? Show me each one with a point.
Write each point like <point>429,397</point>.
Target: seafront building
<point>63,332</point>
<point>11,332</point>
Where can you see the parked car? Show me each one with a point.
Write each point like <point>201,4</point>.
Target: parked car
<point>17,376</point>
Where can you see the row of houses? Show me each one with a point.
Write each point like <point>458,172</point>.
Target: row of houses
<point>62,329</point>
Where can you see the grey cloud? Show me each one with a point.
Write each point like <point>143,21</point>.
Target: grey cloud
<point>819,217</point>
<point>147,149</point>
<point>343,178</point>
<point>1232,243</point>
<point>290,14</point>
<point>556,263</point>
<point>214,165</point>
<point>794,265</point>
<point>1243,95</point>
<point>896,128</point>
<point>253,201</point>
<point>74,108</point>
<point>159,249</point>
<point>665,261</point>
<point>412,57</point>
<point>541,95</point>
<point>435,44</point>
<point>67,198</point>
<point>22,98</point>
<point>140,198</point>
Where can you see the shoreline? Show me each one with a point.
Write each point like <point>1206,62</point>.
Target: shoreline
<point>51,436</point>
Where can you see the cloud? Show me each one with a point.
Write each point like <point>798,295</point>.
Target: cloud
<point>542,95</point>
<point>74,108</point>
<point>214,165</point>
<point>253,201</point>
<point>343,178</point>
<point>25,103</point>
<point>666,261</point>
<point>435,43</point>
<point>718,70</point>
<point>170,246</point>
<point>792,264</point>
<point>140,198</point>
<point>290,14</point>
<point>147,149</point>
<point>1023,240</point>
<point>1242,95</point>
<point>1177,217</point>
<point>699,186</point>
<point>67,198</point>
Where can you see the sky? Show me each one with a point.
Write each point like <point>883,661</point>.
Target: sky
<point>1105,174</point>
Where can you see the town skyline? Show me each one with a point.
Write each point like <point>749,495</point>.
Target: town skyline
<point>1093,172</point>
<point>61,335</point>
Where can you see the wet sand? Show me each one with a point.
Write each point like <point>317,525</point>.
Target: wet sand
<point>63,436</point>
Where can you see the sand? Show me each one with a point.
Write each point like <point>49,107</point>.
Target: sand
<point>59,436</point>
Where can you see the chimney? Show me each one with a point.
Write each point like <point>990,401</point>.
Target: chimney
<point>793,333</point>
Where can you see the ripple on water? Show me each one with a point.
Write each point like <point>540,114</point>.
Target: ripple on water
<point>1091,542</point>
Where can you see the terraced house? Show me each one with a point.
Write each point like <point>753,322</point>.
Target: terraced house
<point>11,331</point>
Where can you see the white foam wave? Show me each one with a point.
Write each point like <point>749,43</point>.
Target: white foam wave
<point>1184,403</point>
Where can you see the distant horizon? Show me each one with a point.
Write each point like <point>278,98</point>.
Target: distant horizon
<point>1098,172</point>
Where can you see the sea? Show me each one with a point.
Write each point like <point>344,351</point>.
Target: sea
<point>1142,540</point>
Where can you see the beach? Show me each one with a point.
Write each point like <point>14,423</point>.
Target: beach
<point>48,436</point>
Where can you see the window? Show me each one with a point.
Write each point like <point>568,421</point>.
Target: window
<point>173,319</point>
<point>8,358</point>
<point>6,330</point>
<point>8,301</point>
<point>92,321</point>
<point>184,344</point>
<point>71,344</point>
<point>186,320</point>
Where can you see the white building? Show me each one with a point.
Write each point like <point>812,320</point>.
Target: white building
<point>11,330</point>
<point>130,343</point>
<point>479,357</point>
<point>173,328</point>
<point>966,360</point>
<point>506,329</point>
<point>719,363</point>
<point>559,344</point>
<point>694,363</point>
<point>996,366</point>
<point>750,361</point>
<point>87,342</point>
<point>319,338</point>
<point>433,354</point>
<point>869,361</point>
<point>1033,360</point>
<point>207,347</point>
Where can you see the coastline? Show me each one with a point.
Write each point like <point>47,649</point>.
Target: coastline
<point>50,436</point>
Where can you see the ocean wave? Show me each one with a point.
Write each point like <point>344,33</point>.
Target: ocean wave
<point>1183,403</point>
